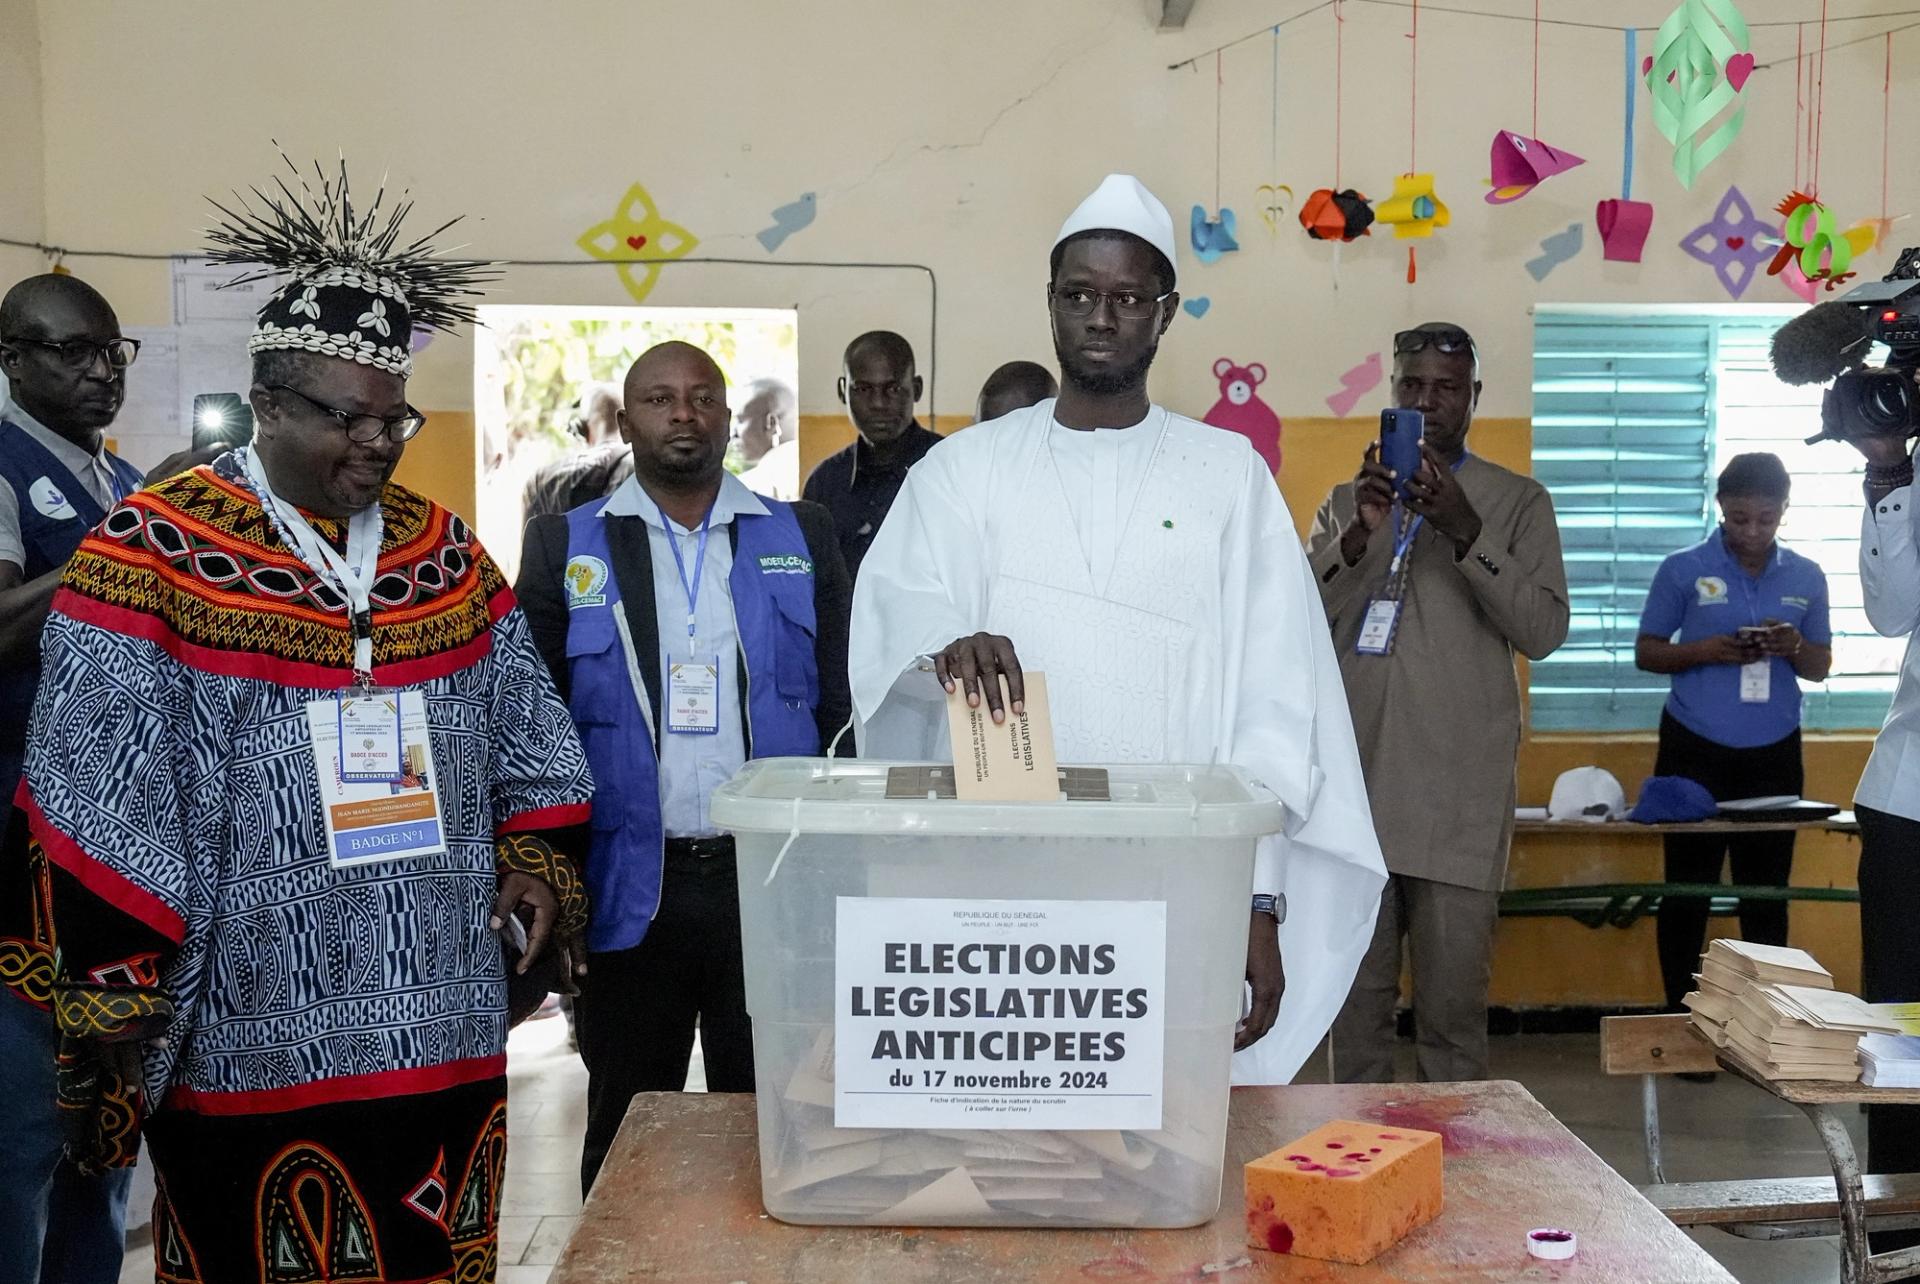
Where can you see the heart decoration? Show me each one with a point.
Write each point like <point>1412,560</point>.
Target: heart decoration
<point>1197,307</point>
<point>1735,242</point>
<point>1268,200</point>
<point>636,242</point>
<point>1739,67</point>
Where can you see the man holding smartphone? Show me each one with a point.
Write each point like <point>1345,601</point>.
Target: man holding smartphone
<point>1431,582</point>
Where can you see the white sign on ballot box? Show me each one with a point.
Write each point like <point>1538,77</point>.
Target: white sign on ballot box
<point>999,1014</point>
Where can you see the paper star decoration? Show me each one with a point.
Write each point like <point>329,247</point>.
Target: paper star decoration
<point>639,240</point>
<point>1731,242</point>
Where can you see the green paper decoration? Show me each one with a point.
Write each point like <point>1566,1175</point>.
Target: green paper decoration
<point>1689,80</point>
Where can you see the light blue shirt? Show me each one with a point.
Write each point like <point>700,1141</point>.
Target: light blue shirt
<point>693,765</point>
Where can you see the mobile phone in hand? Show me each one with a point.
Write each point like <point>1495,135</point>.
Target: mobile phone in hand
<point>1400,432</point>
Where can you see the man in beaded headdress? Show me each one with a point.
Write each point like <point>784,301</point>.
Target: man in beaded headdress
<point>306,1012</point>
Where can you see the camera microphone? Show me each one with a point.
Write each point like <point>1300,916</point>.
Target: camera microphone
<point>1824,342</point>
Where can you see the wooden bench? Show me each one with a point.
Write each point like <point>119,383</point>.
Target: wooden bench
<point>1624,904</point>
<point>1845,1204</point>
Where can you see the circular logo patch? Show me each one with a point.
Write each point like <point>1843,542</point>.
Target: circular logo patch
<point>586,578</point>
<point>48,501</point>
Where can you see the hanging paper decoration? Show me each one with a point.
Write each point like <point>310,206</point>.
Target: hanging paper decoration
<point>1623,227</point>
<point>1213,237</point>
<point>1812,239</point>
<point>1268,200</point>
<point>1698,70</point>
<point>1732,242</point>
<point>1623,224</point>
<point>1521,164</point>
<point>1413,210</point>
<point>1337,216</point>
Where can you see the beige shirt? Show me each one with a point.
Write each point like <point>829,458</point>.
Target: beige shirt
<point>1438,720</point>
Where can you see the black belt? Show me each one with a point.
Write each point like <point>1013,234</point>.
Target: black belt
<point>701,848</point>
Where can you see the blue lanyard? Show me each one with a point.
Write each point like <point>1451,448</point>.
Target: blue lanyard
<point>1405,542</point>
<point>692,586</point>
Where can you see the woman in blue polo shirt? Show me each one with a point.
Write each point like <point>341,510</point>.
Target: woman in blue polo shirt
<point>1738,621</point>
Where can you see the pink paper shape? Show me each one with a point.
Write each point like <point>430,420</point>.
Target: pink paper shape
<point>1520,164</point>
<point>1355,384</point>
<point>1794,279</point>
<point>1623,229</point>
<point>1241,410</point>
<point>1739,67</point>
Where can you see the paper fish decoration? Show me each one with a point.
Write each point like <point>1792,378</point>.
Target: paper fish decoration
<point>1272,208</point>
<point>1812,237</point>
<point>787,220</point>
<point>1336,216</point>
<point>1558,248</point>
<point>1623,227</point>
<point>1413,209</point>
<point>1731,242</point>
<point>1699,67</point>
<point>1520,164</point>
<point>1213,237</point>
<point>1355,384</point>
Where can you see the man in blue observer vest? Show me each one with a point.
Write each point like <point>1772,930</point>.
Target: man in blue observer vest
<point>65,363</point>
<point>690,625</point>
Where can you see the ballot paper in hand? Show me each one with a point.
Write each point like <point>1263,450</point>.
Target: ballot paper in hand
<point>1010,761</point>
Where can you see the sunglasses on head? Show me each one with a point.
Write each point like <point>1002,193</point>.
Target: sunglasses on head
<point>1441,338</point>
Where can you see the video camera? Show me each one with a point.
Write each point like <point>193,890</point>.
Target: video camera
<point>1831,342</point>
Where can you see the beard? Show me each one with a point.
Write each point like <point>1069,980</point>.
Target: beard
<point>1103,381</point>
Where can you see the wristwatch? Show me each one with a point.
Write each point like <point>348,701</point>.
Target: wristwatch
<point>1274,905</point>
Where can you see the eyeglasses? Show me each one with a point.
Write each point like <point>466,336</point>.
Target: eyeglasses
<point>1078,302</point>
<point>78,354</point>
<point>363,428</point>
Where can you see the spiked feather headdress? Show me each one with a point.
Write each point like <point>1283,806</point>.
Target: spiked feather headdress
<point>352,289</point>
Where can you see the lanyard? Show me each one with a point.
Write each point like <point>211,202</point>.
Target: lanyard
<point>692,586</point>
<point>1405,542</point>
<point>352,576</point>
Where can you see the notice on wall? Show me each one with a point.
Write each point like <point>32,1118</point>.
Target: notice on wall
<point>999,1014</point>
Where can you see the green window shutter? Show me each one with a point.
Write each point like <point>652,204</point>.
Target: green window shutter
<point>1621,436</point>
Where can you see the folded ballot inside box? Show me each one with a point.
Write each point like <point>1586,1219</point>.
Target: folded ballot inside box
<point>993,1013</point>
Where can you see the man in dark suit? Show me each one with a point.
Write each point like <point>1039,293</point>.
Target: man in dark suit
<point>691,625</point>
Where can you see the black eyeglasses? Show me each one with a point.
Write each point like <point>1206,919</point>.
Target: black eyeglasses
<point>1446,338</point>
<point>78,354</point>
<point>1077,302</point>
<point>363,428</point>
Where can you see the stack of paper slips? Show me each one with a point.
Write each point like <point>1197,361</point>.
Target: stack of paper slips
<point>1777,1011</point>
<point>1890,1061</point>
<point>1729,968</point>
<point>1797,1032</point>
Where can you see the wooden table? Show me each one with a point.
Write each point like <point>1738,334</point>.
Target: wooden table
<point>679,1199</point>
<point>1838,823</point>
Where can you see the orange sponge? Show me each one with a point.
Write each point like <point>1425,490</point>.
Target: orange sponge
<point>1344,1192</point>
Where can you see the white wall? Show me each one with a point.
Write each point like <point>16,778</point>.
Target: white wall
<point>956,135</point>
<point>22,162</point>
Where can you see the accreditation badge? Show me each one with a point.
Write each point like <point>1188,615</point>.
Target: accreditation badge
<point>370,741</point>
<point>1378,627</point>
<point>693,696</point>
<point>374,821</point>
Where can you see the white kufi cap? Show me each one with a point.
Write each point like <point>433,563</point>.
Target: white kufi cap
<point>1122,203</point>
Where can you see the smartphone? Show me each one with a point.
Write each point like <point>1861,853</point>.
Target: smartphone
<point>1752,633</point>
<point>221,419</point>
<point>1400,432</point>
